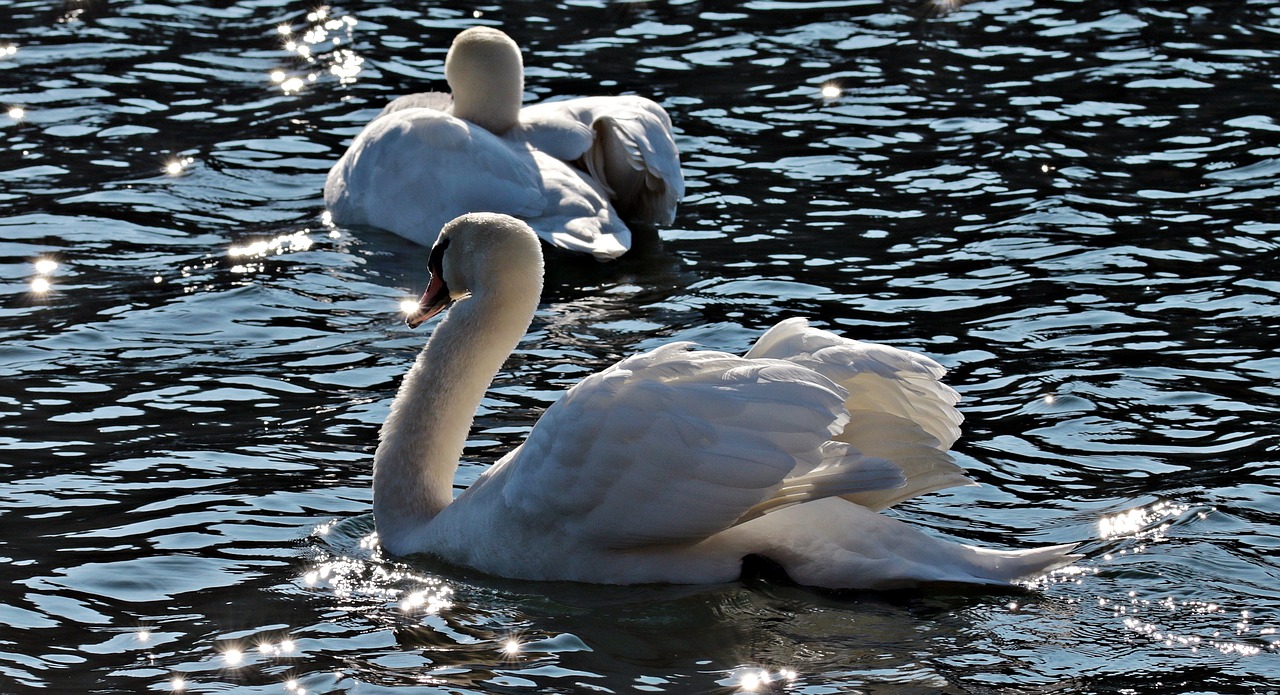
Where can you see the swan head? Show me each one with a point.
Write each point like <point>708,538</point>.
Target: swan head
<point>482,254</point>
<point>486,75</point>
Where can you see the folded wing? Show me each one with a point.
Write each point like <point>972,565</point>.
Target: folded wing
<point>674,445</point>
<point>415,167</point>
<point>624,142</point>
<point>899,409</point>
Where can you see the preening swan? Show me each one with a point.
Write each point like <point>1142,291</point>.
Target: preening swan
<point>674,465</point>
<point>572,169</point>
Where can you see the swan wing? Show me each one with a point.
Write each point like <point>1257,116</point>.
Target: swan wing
<point>674,445</point>
<point>577,215</point>
<point>625,143</point>
<point>414,168</point>
<point>899,409</point>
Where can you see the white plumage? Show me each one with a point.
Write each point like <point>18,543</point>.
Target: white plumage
<point>573,169</point>
<point>675,464</point>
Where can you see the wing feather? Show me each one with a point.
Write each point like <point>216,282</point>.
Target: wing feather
<point>415,167</point>
<point>672,446</point>
<point>899,409</point>
<point>411,170</point>
<point>624,143</point>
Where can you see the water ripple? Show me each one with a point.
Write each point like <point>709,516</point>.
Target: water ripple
<point>1068,204</point>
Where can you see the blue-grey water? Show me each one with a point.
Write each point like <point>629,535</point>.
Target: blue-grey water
<point>1071,204</point>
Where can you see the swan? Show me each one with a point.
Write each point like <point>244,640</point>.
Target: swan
<point>675,465</point>
<point>572,169</point>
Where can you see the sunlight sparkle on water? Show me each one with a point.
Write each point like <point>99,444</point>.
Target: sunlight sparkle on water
<point>831,90</point>
<point>346,65</point>
<point>430,601</point>
<point>177,165</point>
<point>752,681</point>
<point>511,647</point>
<point>409,307</point>
<point>44,266</point>
<point>285,243</point>
<point>177,684</point>
<point>319,43</point>
<point>17,113</point>
<point>937,8</point>
<point>41,285</point>
<point>756,679</point>
<point>233,657</point>
<point>1138,522</point>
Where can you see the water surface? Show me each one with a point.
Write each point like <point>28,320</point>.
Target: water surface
<point>1073,205</point>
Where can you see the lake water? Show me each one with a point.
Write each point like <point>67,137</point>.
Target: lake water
<point>1072,205</point>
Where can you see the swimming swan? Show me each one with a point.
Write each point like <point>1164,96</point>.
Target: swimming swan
<point>572,169</point>
<point>674,465</point>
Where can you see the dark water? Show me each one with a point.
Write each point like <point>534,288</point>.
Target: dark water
<point>1073,205</point>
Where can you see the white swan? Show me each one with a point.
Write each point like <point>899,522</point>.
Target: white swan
<point>674,465</point>
<point>568,168</point>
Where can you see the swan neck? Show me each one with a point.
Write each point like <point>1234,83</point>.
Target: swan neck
<point>495,107</point>
<point>485,72</point>
<point>424,435</point>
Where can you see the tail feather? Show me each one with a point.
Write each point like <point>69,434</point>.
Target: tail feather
<point>1007,566</point>
<point>833,544</point>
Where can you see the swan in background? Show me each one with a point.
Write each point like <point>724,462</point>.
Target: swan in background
<point>674,465</point>
<point>572,169</point>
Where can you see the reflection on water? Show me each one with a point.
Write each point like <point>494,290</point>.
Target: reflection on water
<point>1070,204</point>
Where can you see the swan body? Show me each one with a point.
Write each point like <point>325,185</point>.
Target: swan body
<point>673,465</point>
<point>573,169</point>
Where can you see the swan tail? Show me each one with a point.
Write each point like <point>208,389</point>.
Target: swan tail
<point>989,566</point>
<point>937,562</point>
<point>833,544</point>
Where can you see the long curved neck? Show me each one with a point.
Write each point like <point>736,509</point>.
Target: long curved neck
<point>423,436</point>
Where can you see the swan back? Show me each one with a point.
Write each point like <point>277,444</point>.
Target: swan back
<point>486,74</point>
